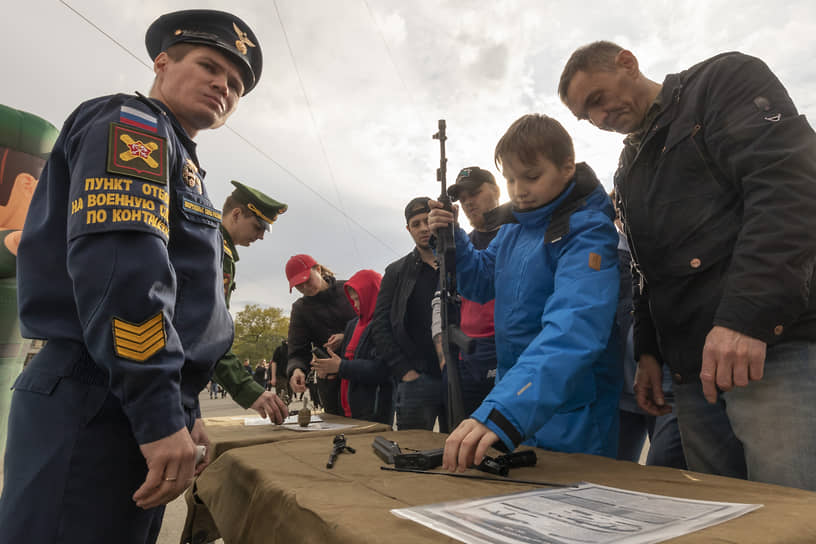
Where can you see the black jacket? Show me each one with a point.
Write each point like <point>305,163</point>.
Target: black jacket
<point>313,320</point>
<point>719,205</point>
<point>388,326</point>
<point>371,387</point>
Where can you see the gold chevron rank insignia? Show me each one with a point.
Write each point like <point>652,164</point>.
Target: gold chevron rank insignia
<point>138,342</point>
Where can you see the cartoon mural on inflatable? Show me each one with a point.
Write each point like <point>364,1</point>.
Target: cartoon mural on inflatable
<point>25,142</point>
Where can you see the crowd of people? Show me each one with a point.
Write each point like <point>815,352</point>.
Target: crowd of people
<point>692,322</point>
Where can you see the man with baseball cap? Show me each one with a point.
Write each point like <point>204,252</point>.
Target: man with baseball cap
<point>120,271</point>
<point>477,192</point>
<point>246,217</point>
<point>402,326</point>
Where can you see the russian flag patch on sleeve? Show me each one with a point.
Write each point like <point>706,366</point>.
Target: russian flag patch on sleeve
<point>133,117</point>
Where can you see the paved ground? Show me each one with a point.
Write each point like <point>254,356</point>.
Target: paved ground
<point>176,511</point>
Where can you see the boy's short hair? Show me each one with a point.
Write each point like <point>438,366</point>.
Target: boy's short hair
<point>593,57</point>
<point>532,135</point>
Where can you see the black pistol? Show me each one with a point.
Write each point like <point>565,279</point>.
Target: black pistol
<point>502,464</point>
<point>385,449</point>
<point>339,446</point>
<point>421,460</point>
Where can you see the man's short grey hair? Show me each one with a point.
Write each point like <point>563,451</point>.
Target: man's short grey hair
<point>593,57</point>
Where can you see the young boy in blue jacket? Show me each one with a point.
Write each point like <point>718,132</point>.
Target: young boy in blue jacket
<point>554,274</point>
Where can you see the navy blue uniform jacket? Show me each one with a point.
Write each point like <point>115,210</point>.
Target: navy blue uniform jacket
<point>121,256</point>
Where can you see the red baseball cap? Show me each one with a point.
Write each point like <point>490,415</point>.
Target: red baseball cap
<point>298,269</point>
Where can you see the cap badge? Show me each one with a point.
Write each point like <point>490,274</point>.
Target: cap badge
<point>464,173</point>
<point>190,175</point>
<point>242,41</point>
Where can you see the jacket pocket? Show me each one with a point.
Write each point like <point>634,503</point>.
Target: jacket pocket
<point>36,382</point>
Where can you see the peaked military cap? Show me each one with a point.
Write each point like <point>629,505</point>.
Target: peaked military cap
<point>468,179</point>
<point>267,209</point>
<point>218,29</point>
<point>26,133</point>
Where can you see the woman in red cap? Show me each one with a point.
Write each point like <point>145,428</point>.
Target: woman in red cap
<point>318,318</point>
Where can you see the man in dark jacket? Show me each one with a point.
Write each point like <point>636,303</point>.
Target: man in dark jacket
<point>717,189</point>
<point>402,327</point>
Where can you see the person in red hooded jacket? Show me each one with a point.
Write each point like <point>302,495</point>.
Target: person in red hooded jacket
<point>366,386</point>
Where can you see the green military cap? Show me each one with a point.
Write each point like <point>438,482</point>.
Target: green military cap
<point>266,208</point>
<point>26,133</point>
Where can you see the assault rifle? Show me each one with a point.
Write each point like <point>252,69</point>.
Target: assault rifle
<point>449,299</point>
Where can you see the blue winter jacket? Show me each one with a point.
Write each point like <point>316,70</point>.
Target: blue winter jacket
<point>554,275</point>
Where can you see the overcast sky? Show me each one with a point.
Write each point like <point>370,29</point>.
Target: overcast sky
<point>351,92</point>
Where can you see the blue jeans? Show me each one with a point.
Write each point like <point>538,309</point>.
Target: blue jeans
<point>764,432</point>
<point>420,402</point>
<point>665,447</point>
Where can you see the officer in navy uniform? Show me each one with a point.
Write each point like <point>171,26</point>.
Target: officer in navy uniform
<point>120,271</point>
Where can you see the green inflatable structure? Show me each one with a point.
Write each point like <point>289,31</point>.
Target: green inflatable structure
<point>25,143</point>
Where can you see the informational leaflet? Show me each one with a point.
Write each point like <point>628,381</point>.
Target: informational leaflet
<point>585,513</point>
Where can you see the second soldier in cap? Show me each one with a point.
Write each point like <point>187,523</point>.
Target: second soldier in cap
<point>247,215</point>
<point>120,271</point>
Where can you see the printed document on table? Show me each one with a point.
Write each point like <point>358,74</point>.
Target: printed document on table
<point>585,513</point>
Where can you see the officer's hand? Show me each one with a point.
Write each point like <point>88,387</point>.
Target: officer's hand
<point>730,359</point>
<point>649,386</point>
<point>170,469</point>
<point>269,404</point>
<point>439,218</point>
<point>410,376</point>
<point>334,342</point>
<point>298,381</point>
<point>200,438</point>
<point>327,366</point>
<point>467,445</point>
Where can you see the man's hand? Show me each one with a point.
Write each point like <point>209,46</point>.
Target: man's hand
<point>730,359</point>
<point>298,381</point>
<point>467,445</point>
<point>439,218</point>
<point>649,386</point>
<point>334,342</point>
<point>328,366</point>
<point>170,469</point>
<point>410,376</point>
<point>269,404</point>
<point>200,438</point>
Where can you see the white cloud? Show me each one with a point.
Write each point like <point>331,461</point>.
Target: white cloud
<point>375,76</point>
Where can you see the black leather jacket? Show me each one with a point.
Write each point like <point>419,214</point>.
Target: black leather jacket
<point>719,204</point>
<point>388,325</point>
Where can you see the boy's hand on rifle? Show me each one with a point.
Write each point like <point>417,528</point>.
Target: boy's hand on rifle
<point>440,218</point>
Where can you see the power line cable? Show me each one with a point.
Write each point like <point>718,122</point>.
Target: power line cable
<point>314,125</point>
<point>111,38</point>
<point>249,143</point>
